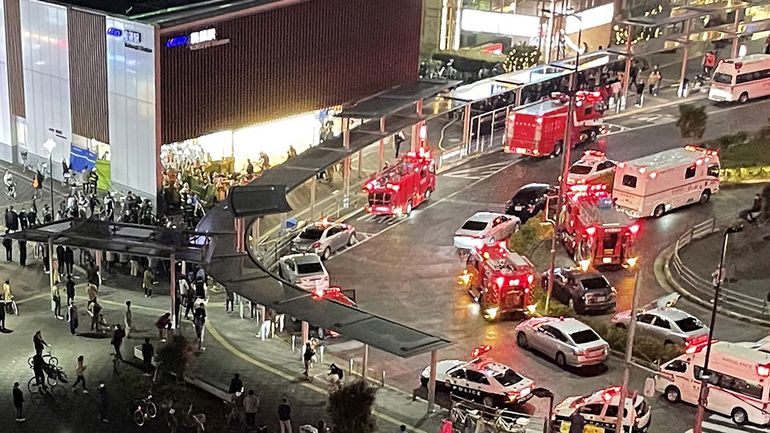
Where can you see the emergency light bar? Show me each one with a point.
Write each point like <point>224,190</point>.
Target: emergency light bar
<point>693,148</point>
<point>481,350</point>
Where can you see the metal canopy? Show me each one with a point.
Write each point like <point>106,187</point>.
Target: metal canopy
<point>396,99</point>
<point>240,273</point>
<point>123,238</point>
<point>677,15</point>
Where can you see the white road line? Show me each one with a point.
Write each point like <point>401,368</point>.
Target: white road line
<point>710,426</point>
<point>729,424</point>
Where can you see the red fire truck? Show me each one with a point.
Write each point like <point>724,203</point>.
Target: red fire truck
<point>594,231</point>
<point>538,129</point>
<point>398,189</point>
<point>498,279</point>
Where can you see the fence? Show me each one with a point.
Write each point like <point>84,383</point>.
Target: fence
<point>471,417</point>
<point>702,288</point>
<point>486,131</point>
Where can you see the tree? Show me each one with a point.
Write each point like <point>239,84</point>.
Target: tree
<point>350,408</point>
<point>692,121</point>
<point>521,56</point>
<point>175,356</point>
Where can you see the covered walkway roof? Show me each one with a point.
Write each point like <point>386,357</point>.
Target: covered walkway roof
<point>123,238</point>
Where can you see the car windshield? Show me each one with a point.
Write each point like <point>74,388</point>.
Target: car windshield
<point>689,324</point>
<point>723,78</point>
<point>594,283</point>
<point>584,336</point>
<point>580,169</point>
<point>311,233</point>
<point>475,225</point>
<point>507,378</point>
<point>309,268</point>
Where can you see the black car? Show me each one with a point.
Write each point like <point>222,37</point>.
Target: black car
<point>529,200</point>
<point>584,292</point>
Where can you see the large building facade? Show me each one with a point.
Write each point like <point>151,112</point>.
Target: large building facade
<point>124,84</point>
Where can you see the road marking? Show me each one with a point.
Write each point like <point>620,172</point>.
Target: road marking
<point>34,297</point>
<point>475,173</point>
<point>245,357</point>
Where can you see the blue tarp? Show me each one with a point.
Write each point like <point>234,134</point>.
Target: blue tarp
<point>81,158</point>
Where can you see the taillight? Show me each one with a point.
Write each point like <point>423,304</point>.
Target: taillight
<point>763,370</point>
<point>512,395</point>
<point>316,245</point>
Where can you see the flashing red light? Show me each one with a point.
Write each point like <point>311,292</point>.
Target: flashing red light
<point>590,231</point>
<point>481,350</point>
<point>642,170</point>
<point>530,278</point>
<point>695,345</point>
<point>653,175</point>
<point>634,229</point>
<point>514,282</point>
<point>763,370</point>
<point>699,161</point>
<point>500,281</point>
<point>594,152</point>
<point>369,186</point>
<point>318,293</point>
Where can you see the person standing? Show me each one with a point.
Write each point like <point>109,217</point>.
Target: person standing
<point>61,258</point>
<point>117,341</point>
<point>57,301</point>
<point>398,139</point>
<point>69,258</point>
<point>96,318</point>
<point>22,252</point>
<point>8,244</point>
<point>307,358</point>
<point>39,343</point>
<point>200,288</point>
<point>73,318</point>
<point>163,323</point>
<point>38,367</point>
<point>2,316</point>
<point>128,319</point>
<point>70,289</point>
<point>653,81</point>
<point>236,385</point>
<point>189,303</point>
<point>46,258</point>
<point>147,353</point>
<point>251,407</point>
<point>576,423</point>
<point>147,281</point>
<point>18,402</point>
<point>229,300</point>
<point>199,320</point>
<point>80,372</point>
<point>104,402</point>
<point>93,292</point>
<point>284,416</point>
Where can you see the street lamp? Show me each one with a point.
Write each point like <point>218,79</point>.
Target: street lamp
<point>566,152</point>
<point>49,146</point>
<point>632,263</point>
<point>705,376</point>
<point>545,393</point>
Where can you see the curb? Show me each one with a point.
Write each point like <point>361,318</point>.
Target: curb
<point>668,281</point>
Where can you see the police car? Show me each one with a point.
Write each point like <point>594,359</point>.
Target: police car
<point>600,410</point>
<point>482,380</point>
<point>592,167</point>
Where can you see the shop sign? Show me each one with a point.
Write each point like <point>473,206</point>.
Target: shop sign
<point>129,35</point>
<point>197,40</point>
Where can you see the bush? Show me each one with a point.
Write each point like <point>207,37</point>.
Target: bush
<point>555,308</point>
<point>646,348</point>
<point>692,121</point>
<point>530,235</point>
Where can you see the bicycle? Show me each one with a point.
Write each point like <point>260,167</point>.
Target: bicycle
<point>235,416</point>
<point>52,360</point>
<point>53,375</point>
<point>143,410</point>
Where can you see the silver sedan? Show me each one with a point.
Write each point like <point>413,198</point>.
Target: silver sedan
<point>567,341</point>
<point>324,238</point>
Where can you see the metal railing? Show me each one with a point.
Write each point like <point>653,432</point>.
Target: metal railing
<point>703,288</point>
<point>466,416</point>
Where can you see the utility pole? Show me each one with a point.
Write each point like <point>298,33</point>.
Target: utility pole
<point>629,346</point>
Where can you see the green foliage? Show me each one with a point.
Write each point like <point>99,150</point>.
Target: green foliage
<point>521,56</point>
<point>530,235</point>
<point>692,121</point>
<point>350,408</point>
<point>646,348</point>
<point>555,308</point>
<point>175,356</point>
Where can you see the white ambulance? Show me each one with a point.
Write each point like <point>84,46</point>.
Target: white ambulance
<point>741,78</point>
<point>738,383</point>
<point>656,184</point>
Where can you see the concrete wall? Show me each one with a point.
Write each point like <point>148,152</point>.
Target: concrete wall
<point>6,135</point>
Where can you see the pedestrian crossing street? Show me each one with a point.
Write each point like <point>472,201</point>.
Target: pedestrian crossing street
<point>722,424</point>
<point>478,172</point>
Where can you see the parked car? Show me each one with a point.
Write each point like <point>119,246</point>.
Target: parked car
<point>529,200</point>
<point>484,227</point>
<point>660,320</point>
<point>305,270</point>
<point>568,341</point>
<point>324,238</point>
<point>582,291</point>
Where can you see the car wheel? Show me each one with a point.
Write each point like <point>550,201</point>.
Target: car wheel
<point>743,98</point>
<point>739,416</point>
<point>352,239</point>
<point>557,149</point>
<point>488,401</point>
<point>561,361</point>
<point>424,381</point>
<point>592,135</point>
<point>704,197</point>
<point>659,211</point>
<point>521,340</point>
<point>428,192</point>
<point>409,208</point>
<point>327,253</point>
<point>672,394</point>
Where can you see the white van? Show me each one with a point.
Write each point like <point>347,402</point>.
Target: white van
<point>741,78</point>
<point>656,184</point>
<point>739,384</point>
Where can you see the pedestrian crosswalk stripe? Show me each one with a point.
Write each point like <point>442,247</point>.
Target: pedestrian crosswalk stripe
<point>722,424</point>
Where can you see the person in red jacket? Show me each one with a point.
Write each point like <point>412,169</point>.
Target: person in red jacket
<point>709,62</point>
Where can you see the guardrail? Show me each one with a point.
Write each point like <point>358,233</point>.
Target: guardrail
<point>703,288</point>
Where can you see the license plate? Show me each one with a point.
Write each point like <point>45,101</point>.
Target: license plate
<point>518,208</point>
<point>601,298</point>
<point>521,150</point>
<point>607,260</point>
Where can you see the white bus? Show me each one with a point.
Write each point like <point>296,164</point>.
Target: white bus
<point>741,78</point>
<point>658,183</point>
<point>738,384</point>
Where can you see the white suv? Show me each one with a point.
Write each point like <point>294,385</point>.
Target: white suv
<point>305,270</point>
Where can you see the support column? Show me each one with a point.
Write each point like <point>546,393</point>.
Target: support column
<point>685,55</point>
<point>99,256</point>
<point>432,381</point>
<point>312,198</point>
<point>184,267</point>
<point>381,154</point>
<point>518,96</point>
<point>417,127</point>
<point>467,124</point>
<point>172,291</point>
<point>51,272</point>
<point>305,335</point>
<point>346,163</point>
<point>365,367</point>
<point>240,238</point>
<point>360,163</point>
<point>627,74</point>
<point>736,41</point>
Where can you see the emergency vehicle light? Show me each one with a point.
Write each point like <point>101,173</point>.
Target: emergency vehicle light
<point>590,230</point>
<point>763,370</point>
<point>500,281</point>
<point>653,175</point>
<point>530,278</point>
<point>711,152</point>
<point>481,350</point>
<point>594,152</point>
<point>622,165</point>
<point>634,229</point>
<point>699,161</point>
<point>514,282</point>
